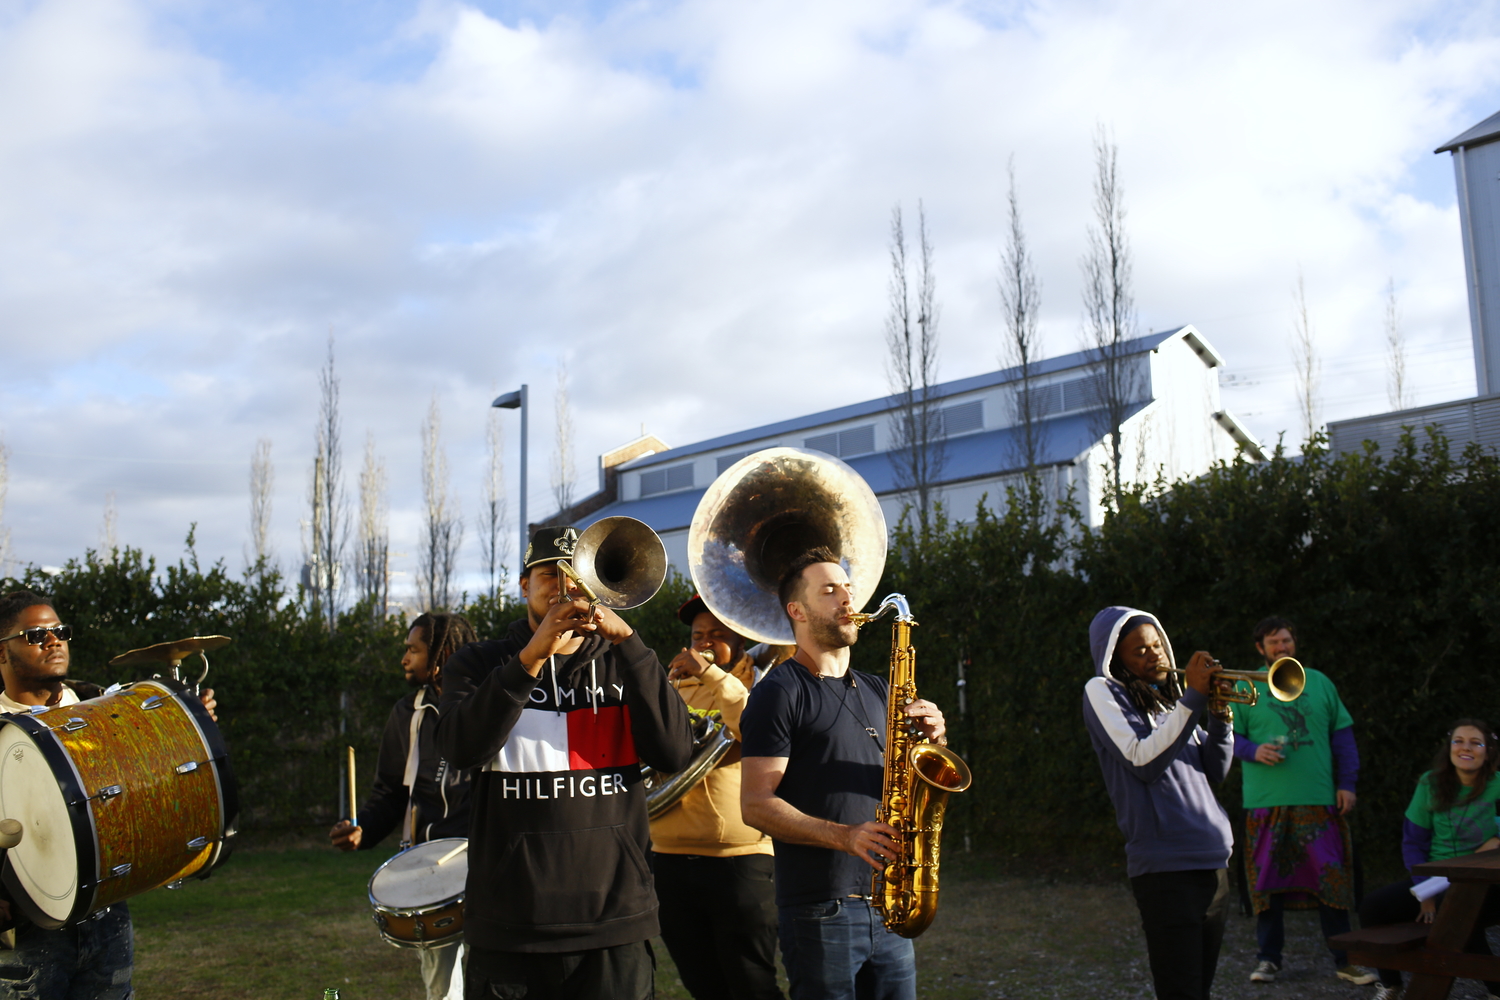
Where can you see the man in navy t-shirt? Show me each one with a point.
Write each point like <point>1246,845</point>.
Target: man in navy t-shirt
<point>814,745</point>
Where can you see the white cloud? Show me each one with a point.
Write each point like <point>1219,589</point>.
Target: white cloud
<point>686,202</point>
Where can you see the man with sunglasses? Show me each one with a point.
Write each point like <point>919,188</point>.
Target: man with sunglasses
<point>93,958</point>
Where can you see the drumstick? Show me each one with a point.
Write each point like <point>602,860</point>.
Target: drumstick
<point>353,808</point>
<point>452,854</point>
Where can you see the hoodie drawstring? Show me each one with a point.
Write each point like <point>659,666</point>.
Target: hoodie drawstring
<point>556,699</point>
<point>594,685</point>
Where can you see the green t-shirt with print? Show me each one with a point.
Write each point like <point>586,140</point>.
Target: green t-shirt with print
<point>1306,777</point>
<point>1458,831</point>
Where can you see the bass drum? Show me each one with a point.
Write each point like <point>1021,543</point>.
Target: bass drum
<point>116,796</point>
<point>418,896</point>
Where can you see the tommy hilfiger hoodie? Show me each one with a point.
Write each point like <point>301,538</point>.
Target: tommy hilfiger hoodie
<point>557,846</point>
<point>1158,767</point>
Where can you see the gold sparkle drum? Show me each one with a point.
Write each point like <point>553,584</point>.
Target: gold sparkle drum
<point>116,795</point>
<point>418,896</point>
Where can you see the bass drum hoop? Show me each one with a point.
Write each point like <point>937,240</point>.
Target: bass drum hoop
<point>81,820</point>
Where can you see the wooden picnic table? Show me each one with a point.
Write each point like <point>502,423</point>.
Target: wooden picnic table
<point>1434,953</point>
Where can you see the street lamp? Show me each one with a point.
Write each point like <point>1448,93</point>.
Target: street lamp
<point>517,401</point>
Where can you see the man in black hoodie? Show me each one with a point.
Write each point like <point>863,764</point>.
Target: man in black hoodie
<point>414,787</point>
<point>558,716</point>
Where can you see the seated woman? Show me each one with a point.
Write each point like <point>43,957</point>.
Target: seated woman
<point>1452,814</point>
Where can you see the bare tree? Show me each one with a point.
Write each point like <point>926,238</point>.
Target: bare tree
<point>262,486</point>
<point>372,560</point>
<point>911,337</point>
<point>494,540</point>
<point>1109,304</point>
<point>109,544</point>
<point>1397,390</point>
<point>1020,298</point>
<point>322,574</point>
<point>1309,365</point>
<point>443,530</point>
<point>563,477</point>
<point>5,553</point>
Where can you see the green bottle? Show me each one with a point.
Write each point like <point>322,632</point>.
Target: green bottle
<point>330,994</point>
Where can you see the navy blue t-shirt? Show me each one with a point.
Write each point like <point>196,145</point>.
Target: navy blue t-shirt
<point>835,768</point>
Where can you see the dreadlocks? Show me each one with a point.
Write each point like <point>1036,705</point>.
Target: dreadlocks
<point>1148,698</point>
<point>444,634</point>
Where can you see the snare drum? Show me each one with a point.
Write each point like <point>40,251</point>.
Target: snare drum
<point>418,896</point>
<point>116,795</point>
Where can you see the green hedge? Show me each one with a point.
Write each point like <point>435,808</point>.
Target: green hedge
<point>285,686</point>
<point>1388,565</point>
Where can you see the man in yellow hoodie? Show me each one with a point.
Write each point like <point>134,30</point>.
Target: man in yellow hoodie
<point>714,873</point>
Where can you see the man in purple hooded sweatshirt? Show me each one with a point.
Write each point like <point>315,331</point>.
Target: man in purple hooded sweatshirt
<point>1161,753</point>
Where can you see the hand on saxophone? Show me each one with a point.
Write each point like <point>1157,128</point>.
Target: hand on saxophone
<point>930,718</point>
<point>869,839</point>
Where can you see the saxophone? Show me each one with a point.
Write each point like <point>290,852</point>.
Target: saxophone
<point>919,777</point>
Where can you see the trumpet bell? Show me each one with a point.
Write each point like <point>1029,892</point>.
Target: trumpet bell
<point>1286,679</point>
<point>622,560</point>
<point>765,511</point>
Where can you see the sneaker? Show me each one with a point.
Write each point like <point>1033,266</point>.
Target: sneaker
<point>1383,992</point>
<point>1265,972</point>
<point>1356,974</point>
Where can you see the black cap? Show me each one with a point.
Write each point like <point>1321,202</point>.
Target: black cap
<point>551,543</point>
<point>694,607</point>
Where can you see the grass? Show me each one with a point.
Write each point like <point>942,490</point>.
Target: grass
<point>286,923</point>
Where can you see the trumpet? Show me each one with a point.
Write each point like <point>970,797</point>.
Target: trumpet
<point>1285,679</point>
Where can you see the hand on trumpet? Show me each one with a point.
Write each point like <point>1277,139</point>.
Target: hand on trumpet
<point>1200,674</point>
<point>690,663</point>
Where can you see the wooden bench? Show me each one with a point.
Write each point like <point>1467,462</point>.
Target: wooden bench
<point>1434,953</point>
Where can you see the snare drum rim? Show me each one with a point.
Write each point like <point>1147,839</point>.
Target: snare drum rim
<point>414,911</point>
<point>80,815</point>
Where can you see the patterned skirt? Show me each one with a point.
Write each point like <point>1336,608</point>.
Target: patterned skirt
<point>1302,852</point>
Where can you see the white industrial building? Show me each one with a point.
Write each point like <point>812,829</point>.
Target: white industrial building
<point>1476,173</point>
<point>1175,427</point>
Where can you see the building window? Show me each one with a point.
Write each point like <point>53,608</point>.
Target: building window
<point>1067,397</point>
<point>843,444</point>
<point>961,419</point>
<point>676,477</point>
<point>725,461</point>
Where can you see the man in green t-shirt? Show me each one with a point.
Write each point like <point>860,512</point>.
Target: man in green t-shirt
<point>1300,768</point>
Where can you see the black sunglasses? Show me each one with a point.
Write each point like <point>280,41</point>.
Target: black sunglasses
<point>37,636</point>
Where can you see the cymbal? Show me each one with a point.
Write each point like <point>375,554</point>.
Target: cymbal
<point>173,652</point>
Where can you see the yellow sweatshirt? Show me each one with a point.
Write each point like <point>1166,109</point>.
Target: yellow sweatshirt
<point>707,820</point>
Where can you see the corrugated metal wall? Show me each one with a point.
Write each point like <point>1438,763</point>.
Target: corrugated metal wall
<point>1461,422</point>
<point>1477,171</point>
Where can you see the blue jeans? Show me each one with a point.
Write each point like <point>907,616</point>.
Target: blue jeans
<point>1270,932</point>
<point>839,950</point>
<point>91,960</point>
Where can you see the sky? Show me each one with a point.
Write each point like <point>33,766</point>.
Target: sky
<point>684,206</point>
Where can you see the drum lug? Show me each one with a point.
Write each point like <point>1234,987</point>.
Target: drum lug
<point>117,871</point>
<point>104,794</point>
<point>173,885</point>
<point>155,701</point>
<point>197,843</point>
<point>72,725</point>
<point>187,768</point>
<point>445,922</point>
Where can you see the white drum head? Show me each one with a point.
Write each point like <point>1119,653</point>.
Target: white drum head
<point>414,880</point>
<point>46,860</point>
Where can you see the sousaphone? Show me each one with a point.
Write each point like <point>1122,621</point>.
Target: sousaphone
<point>766,510</point>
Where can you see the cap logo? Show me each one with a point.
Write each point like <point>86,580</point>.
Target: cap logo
<point>566,542</point>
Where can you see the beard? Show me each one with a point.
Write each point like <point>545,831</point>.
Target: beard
<point>829,634</point>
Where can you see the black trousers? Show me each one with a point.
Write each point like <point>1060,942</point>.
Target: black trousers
<point>624,972</point>
<point>1394,904</point>
<point>718,921</point>
<point>1183,915</point>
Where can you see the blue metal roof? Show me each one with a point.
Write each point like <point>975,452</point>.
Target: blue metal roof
<point>967,457</point>
<point>1078,359</point>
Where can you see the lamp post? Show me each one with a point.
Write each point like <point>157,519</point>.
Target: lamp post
<point>517,401</point>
